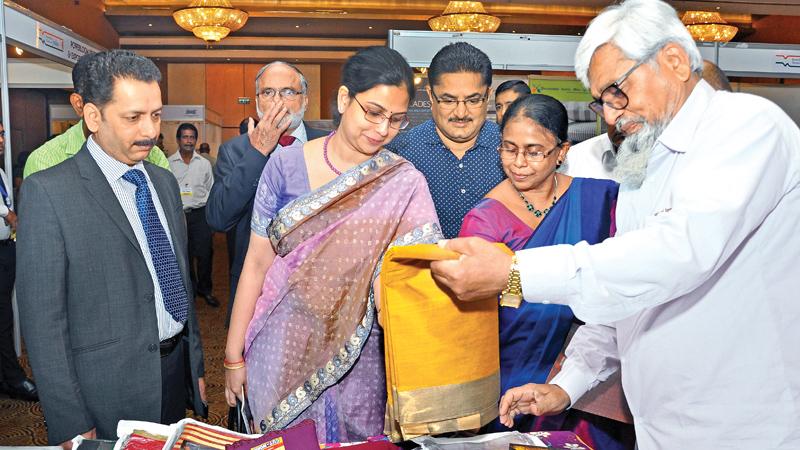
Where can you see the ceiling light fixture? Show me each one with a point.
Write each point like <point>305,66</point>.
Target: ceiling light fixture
<point>464,16</point>
<point>210,20</point>
<point>707,26</point>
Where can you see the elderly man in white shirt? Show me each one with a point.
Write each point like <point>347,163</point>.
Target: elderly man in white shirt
<point>595,157</point>
<point>694,298</point>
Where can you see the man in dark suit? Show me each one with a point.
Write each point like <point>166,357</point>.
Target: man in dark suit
<point>103,293</point>
<point>281,100</point>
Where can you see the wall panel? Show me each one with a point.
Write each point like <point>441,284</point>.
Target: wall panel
<point>187,83</point>
<point>224,86</point>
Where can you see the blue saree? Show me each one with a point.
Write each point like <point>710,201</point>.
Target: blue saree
<point>532,336</point>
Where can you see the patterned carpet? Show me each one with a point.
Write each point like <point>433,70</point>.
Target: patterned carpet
<point>22,423</point>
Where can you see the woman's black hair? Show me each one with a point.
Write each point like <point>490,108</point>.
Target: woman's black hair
<point>542,109</point>
<point>376,66</point>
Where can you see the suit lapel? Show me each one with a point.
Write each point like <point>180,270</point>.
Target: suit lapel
<point>97,185</point>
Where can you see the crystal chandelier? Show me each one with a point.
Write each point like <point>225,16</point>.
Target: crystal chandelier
<point>707,26</point>
<point>210,20</point>
<point>464,16</point>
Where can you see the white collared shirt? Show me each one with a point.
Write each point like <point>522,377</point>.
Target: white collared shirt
<point>585,159</point>
<point>300,133</point>
<point>194,179</point>
<point>699,290</point>
<point>125,192</point>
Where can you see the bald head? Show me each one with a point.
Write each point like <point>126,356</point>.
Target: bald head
<point>715,77</point>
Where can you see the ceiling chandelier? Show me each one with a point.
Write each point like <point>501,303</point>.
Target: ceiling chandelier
<point>707,26</point>
<point>464,16</point>
<point>210,20</point>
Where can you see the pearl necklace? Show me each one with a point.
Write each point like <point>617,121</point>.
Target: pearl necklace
<point>539,212</point>
<point>325,153</point>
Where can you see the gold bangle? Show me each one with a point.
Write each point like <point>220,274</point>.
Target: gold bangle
<point>239,365</point>
<point>512,294</point>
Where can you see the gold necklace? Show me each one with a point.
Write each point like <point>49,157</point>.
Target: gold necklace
<point>539,212</point>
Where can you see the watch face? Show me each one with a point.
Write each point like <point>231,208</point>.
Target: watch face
<point>510,300</point>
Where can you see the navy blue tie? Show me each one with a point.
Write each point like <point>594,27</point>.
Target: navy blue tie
<point>164,260</point>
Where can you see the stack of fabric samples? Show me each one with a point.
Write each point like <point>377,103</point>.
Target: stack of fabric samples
<point>442,355</point>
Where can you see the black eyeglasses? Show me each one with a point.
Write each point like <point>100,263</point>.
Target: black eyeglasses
<point>612,96</point>
<point>449,103</point>
<point>397,121</point>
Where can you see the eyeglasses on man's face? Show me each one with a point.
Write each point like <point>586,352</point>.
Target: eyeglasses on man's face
<point>285,93</point>
<point>448,103</point>
<point>397,121</point>
<point>613,96</point>
<point>509,153</point>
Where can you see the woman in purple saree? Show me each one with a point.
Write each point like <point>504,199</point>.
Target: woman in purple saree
<point>535,207</point>
<point>304,317</point>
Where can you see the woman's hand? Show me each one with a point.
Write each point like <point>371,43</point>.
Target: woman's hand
<point>235,382</point>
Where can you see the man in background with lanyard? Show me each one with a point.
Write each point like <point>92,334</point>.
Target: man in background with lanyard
<point>13,380</point>
<point>195,177</point>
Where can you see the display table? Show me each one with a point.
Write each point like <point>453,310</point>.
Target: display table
<point>190,434</point>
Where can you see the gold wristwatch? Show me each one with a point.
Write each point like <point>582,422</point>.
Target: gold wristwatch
<point>512,294</point>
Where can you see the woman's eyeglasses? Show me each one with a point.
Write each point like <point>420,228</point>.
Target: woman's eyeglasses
<point>397,121</point>
<point>509,153</point>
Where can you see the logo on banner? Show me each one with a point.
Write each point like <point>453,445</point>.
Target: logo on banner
<point>792,61</point>
<point>51,40</point>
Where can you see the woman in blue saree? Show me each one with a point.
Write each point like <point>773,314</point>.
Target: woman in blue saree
<point>536,206</point>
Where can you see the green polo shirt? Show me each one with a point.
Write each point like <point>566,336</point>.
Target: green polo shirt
<point>65,145</point>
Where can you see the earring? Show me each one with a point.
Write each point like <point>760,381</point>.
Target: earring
<point>558,163</point>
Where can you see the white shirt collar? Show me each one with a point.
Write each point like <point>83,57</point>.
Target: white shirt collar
<point>300,133</point>
<point>112,169</point>
<point>679,134</point>
<point>177,156</point>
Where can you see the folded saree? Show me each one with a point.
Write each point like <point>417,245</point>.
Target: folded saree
<point>442,357</point>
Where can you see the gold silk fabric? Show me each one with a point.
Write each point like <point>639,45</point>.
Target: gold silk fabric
<point>442,355</point>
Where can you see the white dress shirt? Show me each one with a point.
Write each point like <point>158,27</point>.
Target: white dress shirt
<point>126,194</point>
<point>585,159</point>
<point>194,179</point>
<point>300,133</point>
<point>699,289</point>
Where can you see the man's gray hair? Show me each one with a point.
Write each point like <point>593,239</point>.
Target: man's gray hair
<point>303,82</point>
<point>639,28</point>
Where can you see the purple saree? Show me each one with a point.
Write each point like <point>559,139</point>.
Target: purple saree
<point>313,348</point>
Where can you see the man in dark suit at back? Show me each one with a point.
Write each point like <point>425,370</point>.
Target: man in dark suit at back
<point>103,290</point>
<point>281,101</point>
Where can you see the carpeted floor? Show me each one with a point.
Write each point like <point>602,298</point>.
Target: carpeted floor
<point>22,423</point>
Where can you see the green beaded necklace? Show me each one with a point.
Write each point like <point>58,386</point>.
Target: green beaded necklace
<point>539,212</point>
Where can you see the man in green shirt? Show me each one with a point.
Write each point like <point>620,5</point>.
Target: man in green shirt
<point>65,145</point>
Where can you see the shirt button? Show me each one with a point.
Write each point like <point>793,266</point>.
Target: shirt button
<point>463,191</point>
<point>460,165</point>
<point>152,348</point>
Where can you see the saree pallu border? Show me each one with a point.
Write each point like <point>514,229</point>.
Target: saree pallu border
<point>473,404</point>
<point>442,355</point>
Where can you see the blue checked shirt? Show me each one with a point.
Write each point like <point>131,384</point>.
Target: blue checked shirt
<point>456,185</point>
